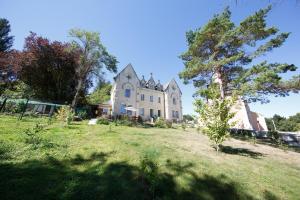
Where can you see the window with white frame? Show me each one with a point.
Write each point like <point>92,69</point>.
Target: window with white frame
<point>142,97</point>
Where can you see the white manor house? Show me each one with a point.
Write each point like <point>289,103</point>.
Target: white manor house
<point>135,97</point>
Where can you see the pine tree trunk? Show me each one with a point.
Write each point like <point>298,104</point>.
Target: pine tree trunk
<point>221,83</point>
<point>78,89</point>
<point>217,147</point>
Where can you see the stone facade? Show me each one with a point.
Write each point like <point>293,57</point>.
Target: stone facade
<point>149,99</point>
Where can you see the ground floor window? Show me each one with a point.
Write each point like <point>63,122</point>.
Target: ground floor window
<point>175,114</point>
<point>122,108</point>
<point>158,113</point>
<point>141,111</point>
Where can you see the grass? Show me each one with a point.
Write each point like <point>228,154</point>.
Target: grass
<point>94,162</point>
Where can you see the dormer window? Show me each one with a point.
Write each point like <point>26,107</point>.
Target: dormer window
<point>151,83</point>
<point>158,86</point>
<point>143,82</point>
<point>174,101</point>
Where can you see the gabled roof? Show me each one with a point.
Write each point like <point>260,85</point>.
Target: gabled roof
<point>127,66</point>
<point>166,86</point>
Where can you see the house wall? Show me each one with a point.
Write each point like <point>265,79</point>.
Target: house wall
<point>147,104</point>
<point>171,92</point>
<point>133,83</point>
<point>118,92</point>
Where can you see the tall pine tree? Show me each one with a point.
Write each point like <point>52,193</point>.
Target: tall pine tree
<point>218,61</point>
<point>6,40</point>
<point>223,52</point>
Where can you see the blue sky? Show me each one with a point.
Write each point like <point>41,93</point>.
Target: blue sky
<point>151,34</point>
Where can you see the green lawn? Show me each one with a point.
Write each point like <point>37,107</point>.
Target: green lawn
<point>94,162</point>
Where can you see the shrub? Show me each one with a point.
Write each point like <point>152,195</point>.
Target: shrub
<point>126,122</point>
<point>140,120</point>
<point>150,175</point>
<point>65,114</point>
<point>9,107</point>
<point>70,116</point>
<point>103,121</point>
<point>82,114</point>
<point>34,135</point>
<point>169,124</point>
<point>183,126</point>
<point>160,123</point>
<point>5,150</point>
<point>275,137</point>
<point>19,107</point>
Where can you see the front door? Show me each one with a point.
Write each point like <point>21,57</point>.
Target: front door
<point>151,113</point>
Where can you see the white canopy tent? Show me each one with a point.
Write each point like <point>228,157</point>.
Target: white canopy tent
<point>131,109</point>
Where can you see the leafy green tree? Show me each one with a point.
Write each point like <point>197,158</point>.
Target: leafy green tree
<point>284,124</point>
<point>18,90</point>
<point>216,116</point>
<point>101,94</point>
<point>93,57</point>
<point>295,118</point>
<point>188,117</point>
<point>6,41</point>
<point>220,55</point>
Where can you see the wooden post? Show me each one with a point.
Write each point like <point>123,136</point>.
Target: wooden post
<point>3,104</point>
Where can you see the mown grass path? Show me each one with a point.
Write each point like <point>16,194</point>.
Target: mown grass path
<point>92,162</point>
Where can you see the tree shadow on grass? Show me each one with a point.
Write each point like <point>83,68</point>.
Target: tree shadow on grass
<point>270,196</point>
<point>98,157</point>
<point>241,152</point>
<point>266,141</point>
<point>65,179</point>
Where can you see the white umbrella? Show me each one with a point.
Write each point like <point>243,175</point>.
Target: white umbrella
<point>131,109</point>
